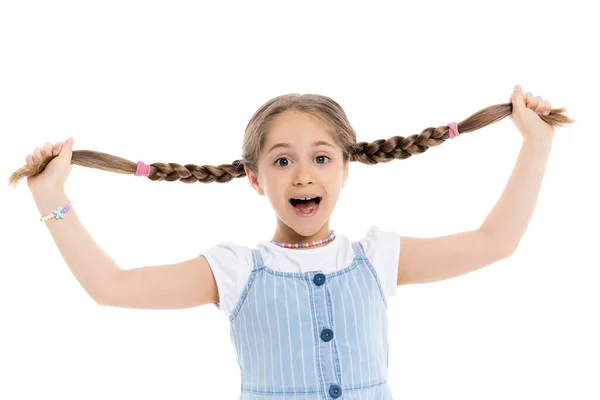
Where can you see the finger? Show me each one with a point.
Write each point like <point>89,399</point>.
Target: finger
<point>547,107</point>
<point>517,100</point>
<point>47,149</point>
<point>56,149</point>
<point>539,108</point>
<point>29,159</point>
<point>37,154</point>
<point>67,149</point>
<point>529,99</point>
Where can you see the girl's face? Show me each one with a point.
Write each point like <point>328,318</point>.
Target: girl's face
<point>300,169</point>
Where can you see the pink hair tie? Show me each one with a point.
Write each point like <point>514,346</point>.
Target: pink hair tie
<point>453,130</point>
<point>142,169</point>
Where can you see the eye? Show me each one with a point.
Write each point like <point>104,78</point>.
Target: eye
<point>322,157</point>
<point>287,160</point>
<point>279,165</point>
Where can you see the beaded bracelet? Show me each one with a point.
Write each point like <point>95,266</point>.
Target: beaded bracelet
<point>58,213</point>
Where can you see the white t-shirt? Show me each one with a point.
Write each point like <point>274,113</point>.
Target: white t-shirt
<point>231,264</point>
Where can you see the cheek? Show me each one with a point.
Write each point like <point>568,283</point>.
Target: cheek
<point>273,187</point>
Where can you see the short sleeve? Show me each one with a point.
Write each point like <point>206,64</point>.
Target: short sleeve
<point>382,248</point>
<point>231,265</point>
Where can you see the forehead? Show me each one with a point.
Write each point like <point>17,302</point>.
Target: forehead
<point>297,127</point>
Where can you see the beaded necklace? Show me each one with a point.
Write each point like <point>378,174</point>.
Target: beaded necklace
<point>307,244</point>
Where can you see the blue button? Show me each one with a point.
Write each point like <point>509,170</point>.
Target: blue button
<point>335,391</point>
<point>319,279</point>
<point>326,335</point>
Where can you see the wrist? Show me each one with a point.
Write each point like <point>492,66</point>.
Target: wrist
<point>42,191</point>
<point>49,200</point>
<point>540,140</point>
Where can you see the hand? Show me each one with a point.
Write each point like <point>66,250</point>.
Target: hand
<point>526,115</point>
<point>56,172</point>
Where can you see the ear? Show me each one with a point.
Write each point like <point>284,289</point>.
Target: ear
<point>254,181</point>
<point>346,168</point>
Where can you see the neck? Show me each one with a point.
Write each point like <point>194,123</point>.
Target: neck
<point>285,234</point>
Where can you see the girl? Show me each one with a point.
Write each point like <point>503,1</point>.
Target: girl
<point>308,308</point>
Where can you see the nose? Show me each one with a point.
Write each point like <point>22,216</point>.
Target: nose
<point>303,175</point>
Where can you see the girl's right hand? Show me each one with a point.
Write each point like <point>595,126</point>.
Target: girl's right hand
<point>57,171</point>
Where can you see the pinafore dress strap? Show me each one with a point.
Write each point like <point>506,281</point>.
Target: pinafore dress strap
<point>358,251</point>
<point>258,260</point>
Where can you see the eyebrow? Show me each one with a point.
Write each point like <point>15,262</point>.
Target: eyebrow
<point>287,145</point>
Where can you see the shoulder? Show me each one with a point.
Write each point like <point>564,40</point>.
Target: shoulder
<point>229,257</point>
<point>382,249</point>
<point>231,264</point>
<point>228,252</point>
<point>377,240</point>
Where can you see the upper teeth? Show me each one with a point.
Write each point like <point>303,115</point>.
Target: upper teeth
<point>304,198</point>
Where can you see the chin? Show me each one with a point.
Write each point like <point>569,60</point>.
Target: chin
<point>308,227</point>
<point>307,231</point>
<point>305,228</point>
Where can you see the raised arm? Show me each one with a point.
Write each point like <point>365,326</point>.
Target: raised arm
<point>435,259</point>
<point>92,267</point>
<point>182,285</point>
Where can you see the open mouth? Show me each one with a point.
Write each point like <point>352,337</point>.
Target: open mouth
<point>305,206</point>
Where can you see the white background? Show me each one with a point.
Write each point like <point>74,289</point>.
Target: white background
<point>178,82</point>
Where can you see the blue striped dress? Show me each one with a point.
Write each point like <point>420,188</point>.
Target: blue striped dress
<point>309,336</point>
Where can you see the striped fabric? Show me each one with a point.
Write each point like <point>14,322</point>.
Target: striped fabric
<point>311,335</point>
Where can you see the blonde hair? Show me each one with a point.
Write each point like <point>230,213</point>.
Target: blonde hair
<point>322,107</point>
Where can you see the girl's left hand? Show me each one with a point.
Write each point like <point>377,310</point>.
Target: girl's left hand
<point>526,112</point>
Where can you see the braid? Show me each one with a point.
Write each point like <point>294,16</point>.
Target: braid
<point>191,173</point>
<point>398,147</point>
<point>378,151</point>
